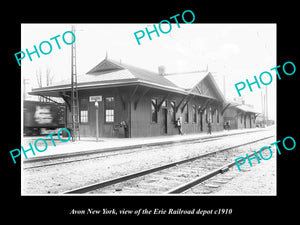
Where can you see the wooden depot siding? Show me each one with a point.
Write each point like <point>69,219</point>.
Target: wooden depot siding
<point>142,125</point>
<point>133,104</point>
<point>106,129</point>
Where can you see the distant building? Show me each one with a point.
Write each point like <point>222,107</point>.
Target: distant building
<point>240,116</point>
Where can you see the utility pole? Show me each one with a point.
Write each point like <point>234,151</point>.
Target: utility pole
<point>262,107</point>
<point>74,93</point>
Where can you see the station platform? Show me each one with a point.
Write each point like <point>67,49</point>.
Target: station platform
<point>88,145</point>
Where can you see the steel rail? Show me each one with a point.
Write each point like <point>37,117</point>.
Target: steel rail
<point>121,179</point>
<point>123,149</point>
<point>95,157</point>
<point>195,182</point>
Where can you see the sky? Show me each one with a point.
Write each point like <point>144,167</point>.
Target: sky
<point>234,51</point>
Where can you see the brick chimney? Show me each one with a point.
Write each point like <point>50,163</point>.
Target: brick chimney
<point>161,70</point>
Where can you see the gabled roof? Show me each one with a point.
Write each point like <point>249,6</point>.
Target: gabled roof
<point>242,107</point>
<point>246,108</point>
<point>216,89</point>
<point>105,66</point>
<point>187,80</point>
<point>112,73</point>
<point>109,76</point>
<point>194,81</point>
<point>145,75</point>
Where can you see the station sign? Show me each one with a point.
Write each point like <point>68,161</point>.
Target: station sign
<point>97,98</point>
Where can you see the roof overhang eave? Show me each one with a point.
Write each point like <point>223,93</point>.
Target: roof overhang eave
<point>55,90</point>
<point>81,86</point>
<point>92,85</point>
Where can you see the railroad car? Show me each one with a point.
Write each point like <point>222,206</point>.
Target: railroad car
<point>40,116</point>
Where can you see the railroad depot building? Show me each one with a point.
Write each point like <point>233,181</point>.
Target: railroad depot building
<point>148,102</point>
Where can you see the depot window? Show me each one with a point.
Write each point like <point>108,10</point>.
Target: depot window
<point>109,115</point>
<point>109,109</point>
<point>84,115</point>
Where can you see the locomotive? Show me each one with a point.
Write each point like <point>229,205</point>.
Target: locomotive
<point>42,116</point>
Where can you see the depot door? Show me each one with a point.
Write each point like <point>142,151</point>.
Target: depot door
<point>165,120</point>
<point>200,121</point>
<point>250,121</point>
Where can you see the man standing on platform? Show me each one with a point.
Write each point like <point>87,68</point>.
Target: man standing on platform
<point>209,127</point>
<point>179,125</point>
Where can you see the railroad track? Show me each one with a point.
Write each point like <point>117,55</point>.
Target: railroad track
<point>37,162</point>
<point>172,178</point>
<point>79,158</point>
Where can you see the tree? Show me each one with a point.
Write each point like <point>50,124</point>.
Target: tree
<point>49,80</point>
<point>38,75</point>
